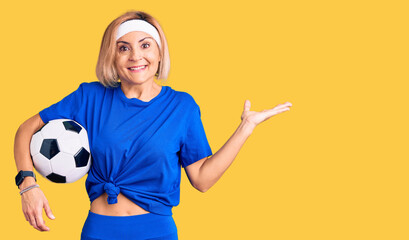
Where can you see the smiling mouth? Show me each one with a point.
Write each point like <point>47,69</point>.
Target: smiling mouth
<point>137,68</point>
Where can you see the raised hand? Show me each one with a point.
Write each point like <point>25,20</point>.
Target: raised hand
<point>254,118</point>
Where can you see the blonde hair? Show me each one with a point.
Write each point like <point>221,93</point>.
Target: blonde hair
<point>106,71</point>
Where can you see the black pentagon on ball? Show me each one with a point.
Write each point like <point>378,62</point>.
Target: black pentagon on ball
<point>72,126</point>
<point>56,178</point>
<point>49,148</point>
<point>81,158</point>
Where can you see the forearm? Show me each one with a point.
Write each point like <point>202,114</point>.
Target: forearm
<point>214,167</point>
<point>22,149</point>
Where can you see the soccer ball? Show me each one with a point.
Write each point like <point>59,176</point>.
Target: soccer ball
<point>60,151</point>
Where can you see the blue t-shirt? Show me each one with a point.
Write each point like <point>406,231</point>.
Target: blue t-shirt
<point>137,147</point>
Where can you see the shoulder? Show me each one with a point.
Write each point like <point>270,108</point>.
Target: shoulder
<point>92,85</point>
<point>185,99</point>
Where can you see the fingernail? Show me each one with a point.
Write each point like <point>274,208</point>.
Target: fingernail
<point>52,216</point>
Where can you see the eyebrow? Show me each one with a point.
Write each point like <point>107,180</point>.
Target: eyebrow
<point>138,41</point>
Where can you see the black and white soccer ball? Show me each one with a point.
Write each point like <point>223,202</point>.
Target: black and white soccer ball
<point>60,151</point>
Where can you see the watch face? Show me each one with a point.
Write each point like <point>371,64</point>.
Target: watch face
<point>22,174</point>
<point>19,178</point>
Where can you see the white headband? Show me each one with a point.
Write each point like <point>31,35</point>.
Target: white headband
<point>138,25</point>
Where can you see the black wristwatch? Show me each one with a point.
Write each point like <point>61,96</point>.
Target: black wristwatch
<point>22,174</point>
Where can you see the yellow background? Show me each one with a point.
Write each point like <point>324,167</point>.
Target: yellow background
<point>334,167</point>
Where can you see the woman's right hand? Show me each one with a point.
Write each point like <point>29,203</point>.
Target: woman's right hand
<point>33,201</point>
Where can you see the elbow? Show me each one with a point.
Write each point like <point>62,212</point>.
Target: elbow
<point>202,189</point>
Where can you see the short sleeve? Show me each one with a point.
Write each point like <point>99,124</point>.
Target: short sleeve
<point>67,108</point>
<point>195,145</point>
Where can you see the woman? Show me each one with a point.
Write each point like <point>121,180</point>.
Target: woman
<point>140,135</point>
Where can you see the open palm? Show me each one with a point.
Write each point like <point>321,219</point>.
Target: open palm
<point>256,118</point>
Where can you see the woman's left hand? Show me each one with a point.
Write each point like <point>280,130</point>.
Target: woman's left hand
<point>254,118</point>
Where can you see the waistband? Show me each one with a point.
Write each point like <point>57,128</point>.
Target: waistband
<point>142,226</point>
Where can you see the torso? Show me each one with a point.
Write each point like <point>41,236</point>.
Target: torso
<point>124,206</point>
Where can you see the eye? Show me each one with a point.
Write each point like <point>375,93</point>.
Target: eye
<point>145,45</point>
<point>123,48</point>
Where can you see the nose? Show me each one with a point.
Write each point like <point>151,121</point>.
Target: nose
<point>135,55</point>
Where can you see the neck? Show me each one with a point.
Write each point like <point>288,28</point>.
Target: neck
<point>144,92</point>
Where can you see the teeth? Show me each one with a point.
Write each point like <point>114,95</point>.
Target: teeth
<point>138,68</point>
